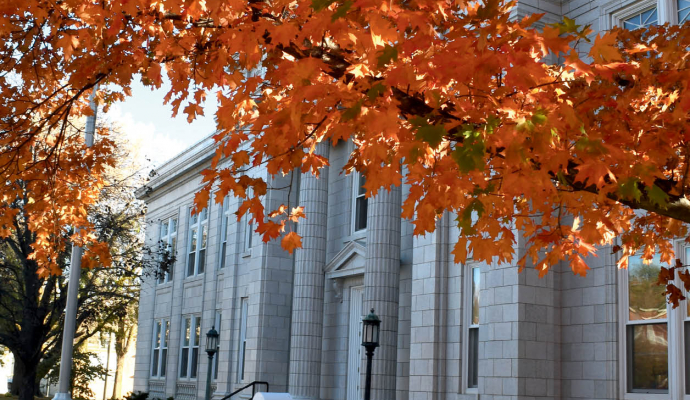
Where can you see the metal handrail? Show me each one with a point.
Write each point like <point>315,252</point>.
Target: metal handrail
<point>253,385</point>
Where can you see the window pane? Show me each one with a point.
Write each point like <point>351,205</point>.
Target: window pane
<point>187,332</point>
<point>164,361</point>
<point>204,236</point>
<point>475,295</point>
<point>248,236</point>
<point>648,357</point>
<point>202,261</point>
<point>362,180</point>
<point>203,214</point>
<point>642,20</point>
<point>645,297</point>
<point>683,11</point>
<point>166,334</point>
<point>164,229</point>
<point>197,331</point>
<point>190,264</point>
<point>473,358</point>
<point>194,218</point>
<point>154,363</point>
<point>157,337</point>
<point>195,361</point>
<point>222,255</point>
<point>361,213</point>
<point>173,225</point>
<point>184,362</point>
<point>192,240</point>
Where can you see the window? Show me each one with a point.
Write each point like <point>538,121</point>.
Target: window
<point>198,239</point>
<point>168,238</point>
<point>646,329</point>
<point>161,333</point>
<point>248,232</point>
<point>646,13</point>
<point>683,11</point>
<point>360,203</point>
<point>644,19</point>
<point>189,357</point>
<point>244,308</point>
<point>472,288</point>
<point>224,228</point>
<point>217,356</point>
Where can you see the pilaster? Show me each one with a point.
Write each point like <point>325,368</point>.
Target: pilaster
<point>429,313</point>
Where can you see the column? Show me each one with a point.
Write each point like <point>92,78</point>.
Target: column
<point>381,285</point>
<point>307,296</point>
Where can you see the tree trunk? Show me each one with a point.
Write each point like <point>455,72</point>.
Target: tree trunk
<point>117,379</point>
<point>24,379</point>
<point>17,375</point>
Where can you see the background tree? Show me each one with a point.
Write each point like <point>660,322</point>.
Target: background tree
<point>85,369</point>
<point>32,304</point>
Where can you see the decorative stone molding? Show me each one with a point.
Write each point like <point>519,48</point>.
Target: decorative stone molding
<point>349,261</point>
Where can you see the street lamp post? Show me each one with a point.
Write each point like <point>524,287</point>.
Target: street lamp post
<point>211,349</point>
<point>370,341</point>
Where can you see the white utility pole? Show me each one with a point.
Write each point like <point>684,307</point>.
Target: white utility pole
<point>63,392</point>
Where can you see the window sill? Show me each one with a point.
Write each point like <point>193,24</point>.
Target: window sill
<point>164,285</point>
<point>194,278</point>
<point>246,254</point>
<point>646,396</point>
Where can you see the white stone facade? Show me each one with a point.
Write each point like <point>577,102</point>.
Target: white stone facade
<point>293,321</point>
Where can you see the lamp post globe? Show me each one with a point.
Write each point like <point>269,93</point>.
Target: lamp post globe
<point>370,340</point>
<point>212,337</point>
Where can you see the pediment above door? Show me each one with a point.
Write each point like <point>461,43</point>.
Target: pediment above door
<point>349,261</point>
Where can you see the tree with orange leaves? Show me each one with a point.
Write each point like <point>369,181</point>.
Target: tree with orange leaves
<point>451,97</point>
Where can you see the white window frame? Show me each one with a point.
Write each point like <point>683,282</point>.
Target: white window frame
<point>225,218</point>
<point>248,233</point>
<point>676,386</point>
<point>615,12</point>
<point>248,229</point>
<point>242,342</point>
<point>467,324</point>
<point>198,223</point>
<point>170,239</point>
<point>355,196</point>
<point>161,336</point>
<point>217,326</point>
<point>194,333</point>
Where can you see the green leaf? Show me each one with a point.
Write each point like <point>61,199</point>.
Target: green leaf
<point>342,10</point>
<point>628,189</point>
<point>376,90</point>
<point>319,5</point>
<point>352,112</point>
<point>465,219</point>
<point>657,196</point>
<point>469,155</point>
<point>539,117</point>
<point>432,134</point>
<point>388,54</point>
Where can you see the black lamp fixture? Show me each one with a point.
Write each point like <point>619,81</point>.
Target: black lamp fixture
<point>212,337</point>
<point>370,340</point>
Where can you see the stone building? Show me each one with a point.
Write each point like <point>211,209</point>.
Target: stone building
<point>449,331</point>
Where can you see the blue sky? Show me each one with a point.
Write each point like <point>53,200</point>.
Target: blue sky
<point>149,125</point>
